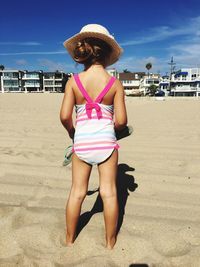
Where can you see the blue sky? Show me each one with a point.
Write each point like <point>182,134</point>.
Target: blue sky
<point>32,33</point>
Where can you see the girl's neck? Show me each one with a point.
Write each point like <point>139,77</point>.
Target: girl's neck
<point>95,67</point>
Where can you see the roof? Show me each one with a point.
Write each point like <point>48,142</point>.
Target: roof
<point>130,75</point>
<point>181,73</point>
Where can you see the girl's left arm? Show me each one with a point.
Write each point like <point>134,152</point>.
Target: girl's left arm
<point>67,109</point>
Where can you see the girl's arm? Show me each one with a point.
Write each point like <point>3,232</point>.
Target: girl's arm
<point>67,109</point>
<point>119,107</point>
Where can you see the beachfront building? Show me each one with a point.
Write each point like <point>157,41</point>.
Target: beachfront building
<point>131,82</point>
<point>147,81</point>
<point>10,81</point>
<point>164,84</point>
<point>32,81</point>
<point>185,82</point>
<point>53,81</point>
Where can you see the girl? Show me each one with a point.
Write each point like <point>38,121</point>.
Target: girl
<point>97,97</point>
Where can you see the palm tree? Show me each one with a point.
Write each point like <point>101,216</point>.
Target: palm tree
<point>126,71</point>
<point>148,67</point>
<point>2,67</point>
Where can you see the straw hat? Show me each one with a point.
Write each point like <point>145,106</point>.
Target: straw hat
<point>95,31</point>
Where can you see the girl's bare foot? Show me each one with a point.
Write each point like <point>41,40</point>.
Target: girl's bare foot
<point>110,244</point>
<point>69,241</point>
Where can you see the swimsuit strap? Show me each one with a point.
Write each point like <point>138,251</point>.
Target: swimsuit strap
<point>82,89</point>
<point>105,90</point>
<point>100,96</point>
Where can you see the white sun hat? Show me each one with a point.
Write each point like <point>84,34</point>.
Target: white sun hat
<point>95,31</point>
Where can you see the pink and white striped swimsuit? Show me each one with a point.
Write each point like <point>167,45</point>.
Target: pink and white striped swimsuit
<point>94,138</point>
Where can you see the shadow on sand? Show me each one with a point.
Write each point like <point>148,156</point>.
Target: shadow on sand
<point>125,183</point>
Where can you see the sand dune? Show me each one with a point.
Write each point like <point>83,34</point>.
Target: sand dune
<point>158,186</point>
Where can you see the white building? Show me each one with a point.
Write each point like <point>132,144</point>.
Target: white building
<point>164,84</point>
<point>52,81</point>
<point>131,82</point>
<point>10,81</point>
<point>186,82</point>
<point>32,81</point>
<point>147,81</point>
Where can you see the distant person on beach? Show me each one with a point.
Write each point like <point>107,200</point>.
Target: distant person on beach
<point>97,97</point>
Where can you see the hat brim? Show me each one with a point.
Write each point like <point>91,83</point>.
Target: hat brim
<point>70,44</point>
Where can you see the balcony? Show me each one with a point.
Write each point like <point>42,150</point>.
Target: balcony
<point>185,89</point>
<point>32,85</point>
<point>30,77</point>
<point>6,78</point>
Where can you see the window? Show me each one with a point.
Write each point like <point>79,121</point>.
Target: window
<point>31,75</point>
<point>58,76</point>
<point>48,76</point>
<point>11,75</point>
<point>32,84</point>
<point>194,76</point>
<point>11,83</point>
<point>58,83</point>
<point>48,82</point>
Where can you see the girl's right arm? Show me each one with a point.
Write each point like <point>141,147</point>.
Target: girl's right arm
<point>67,109</point>
<point>119,107</point>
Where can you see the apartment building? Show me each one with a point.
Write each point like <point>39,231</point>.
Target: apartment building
<point>164,84</point>
<point>131,82</point>
<point>147,81</point>
<point>53,81</point>
<point>10,81</point>
<point>186,82</point>
<point>32,81</point>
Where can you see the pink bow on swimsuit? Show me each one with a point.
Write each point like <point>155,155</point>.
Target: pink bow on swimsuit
<point>89,107</point>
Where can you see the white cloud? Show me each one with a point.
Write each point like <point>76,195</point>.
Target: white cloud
<point>21,43</point>
<point>51,65</point>
<point>187,28</point>
<point>21,62</point>
<point>139,63</point>
<point>186,54</point>
<point>33,53</point>
<point>185,47</point>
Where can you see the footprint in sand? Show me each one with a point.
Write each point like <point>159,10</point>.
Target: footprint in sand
<point>10,250</point>
<point>35,240</point>
<point>170,244</point>
<point>27,217</point>
<point>191,234</point>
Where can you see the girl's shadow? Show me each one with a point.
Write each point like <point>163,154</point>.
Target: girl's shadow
<point>125,183</point>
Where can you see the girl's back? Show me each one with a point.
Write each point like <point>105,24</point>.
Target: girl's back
<point>94,81</point>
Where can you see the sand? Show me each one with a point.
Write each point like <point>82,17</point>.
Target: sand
<point>158,181</point>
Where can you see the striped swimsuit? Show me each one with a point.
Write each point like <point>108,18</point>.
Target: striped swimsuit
<point>94,138</point>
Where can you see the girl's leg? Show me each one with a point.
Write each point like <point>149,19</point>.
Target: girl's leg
<point>108,192</point>
<point>80,177</point>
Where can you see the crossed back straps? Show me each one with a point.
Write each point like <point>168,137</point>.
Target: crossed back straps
<point>102,93</point>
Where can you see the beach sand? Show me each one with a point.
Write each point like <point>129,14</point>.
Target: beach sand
<point>158,184</point>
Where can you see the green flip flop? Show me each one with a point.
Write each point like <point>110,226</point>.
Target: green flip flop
<point>68,155</point>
